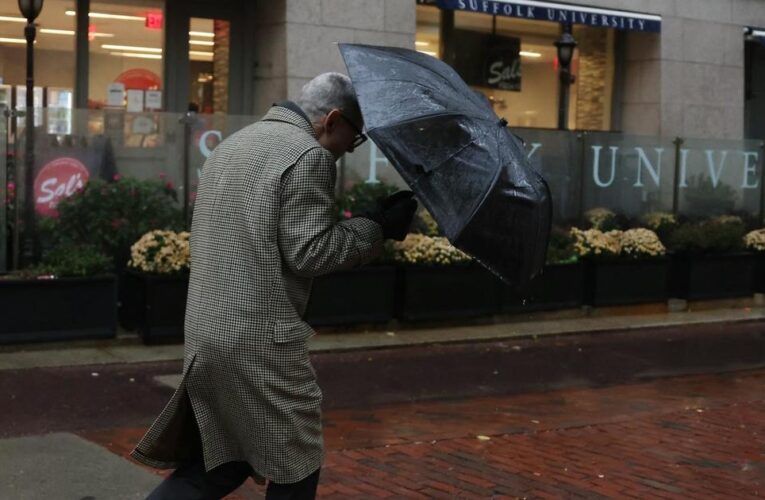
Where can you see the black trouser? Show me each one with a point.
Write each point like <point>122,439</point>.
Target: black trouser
<point>191,482</point>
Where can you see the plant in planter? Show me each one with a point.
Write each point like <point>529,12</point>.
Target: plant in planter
<point>68,295</point>
<point>603,219</point>
<point>439,281</point>
<point>709,260</point>
<point>113,215</point>
<point>622,267</point>
<point>661,223</point>
<point>754,241</point>
<point>362,197</point>
<point>155,285</point>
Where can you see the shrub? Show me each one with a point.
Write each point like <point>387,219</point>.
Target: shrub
<point>111,216</point>
<point>718,235</point>
<point>161,252</point>
<point>596,243</point>
<point>430,250</point>
<point>70,260</point>
<point>602,219</point>
<point>560,250</point>
<point>363,197</point>
<point>755,240</point>
<point>641,243</point>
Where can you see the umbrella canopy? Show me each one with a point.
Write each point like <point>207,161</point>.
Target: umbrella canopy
<point>459,158</point>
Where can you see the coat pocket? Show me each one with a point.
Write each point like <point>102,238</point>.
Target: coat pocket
<point>291,331</point>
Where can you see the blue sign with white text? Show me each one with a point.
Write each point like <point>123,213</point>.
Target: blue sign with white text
<point>559,13</point>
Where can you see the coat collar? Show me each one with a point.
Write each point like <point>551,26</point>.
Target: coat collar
<point>289,112</point>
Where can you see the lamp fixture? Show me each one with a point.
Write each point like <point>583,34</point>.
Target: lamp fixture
<point>420,43</point>
<point>201,42</point>
<point>202,34</point>
<point>30,9</point>
<point>527,53</point>
<point>131,48</point>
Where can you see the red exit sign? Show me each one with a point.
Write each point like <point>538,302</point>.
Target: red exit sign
<point>154,20</point>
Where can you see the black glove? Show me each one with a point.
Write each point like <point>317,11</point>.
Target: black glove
<point>394,214</point>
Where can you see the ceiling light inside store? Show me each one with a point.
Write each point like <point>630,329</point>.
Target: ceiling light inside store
<point>13,40</point>
<point>131,48</point>
<point>202,33</point>
<point>201,42</point>
<point>102,15</point>
<point>428,52</point>
<point>10,19</point>
<point>132,54</point>
<point>526,53</point>
<point>56,32</point>
<point>199,55</point>
<point>419,43</point>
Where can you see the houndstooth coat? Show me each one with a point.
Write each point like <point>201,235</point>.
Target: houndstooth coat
<point>263,228</point>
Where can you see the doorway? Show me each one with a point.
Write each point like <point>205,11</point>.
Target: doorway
<point>204,67</point>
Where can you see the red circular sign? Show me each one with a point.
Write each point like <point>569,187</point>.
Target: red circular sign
<point>140,79</point>
<point>58,179</point>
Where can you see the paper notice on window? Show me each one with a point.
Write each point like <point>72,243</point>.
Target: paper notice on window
<point>154,99</point>
<point>115,95</point>
<point>134,101</point>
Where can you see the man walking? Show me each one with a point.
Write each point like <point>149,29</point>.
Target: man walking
<point>264,226</point>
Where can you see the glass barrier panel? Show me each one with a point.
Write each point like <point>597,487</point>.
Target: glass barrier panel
<point>7,193</point>
<point>629,175</point>
<point>719,177</point>
<point>557,155</point>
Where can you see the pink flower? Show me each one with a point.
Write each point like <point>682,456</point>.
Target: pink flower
<point>11,186</point>
<point>169,185</point>
<point>116,177</point>
<point>347,214</point>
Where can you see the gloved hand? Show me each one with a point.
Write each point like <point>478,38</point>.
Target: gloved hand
<point>394,214</point>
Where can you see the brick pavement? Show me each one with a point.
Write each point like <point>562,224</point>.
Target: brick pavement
<point>691,437</point>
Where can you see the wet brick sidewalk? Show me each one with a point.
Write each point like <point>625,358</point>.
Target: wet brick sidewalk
<point>691,437</point>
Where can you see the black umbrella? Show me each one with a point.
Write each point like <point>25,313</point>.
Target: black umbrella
<point>463,163</point>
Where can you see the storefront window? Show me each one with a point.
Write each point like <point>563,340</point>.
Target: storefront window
<point>54,63</point>
<point>209,64</point>
<point>513,62</point>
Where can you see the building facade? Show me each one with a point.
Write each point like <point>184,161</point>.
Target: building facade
<point>113,78</point>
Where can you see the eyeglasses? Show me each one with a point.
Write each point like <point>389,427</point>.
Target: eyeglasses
<point>360,138</point>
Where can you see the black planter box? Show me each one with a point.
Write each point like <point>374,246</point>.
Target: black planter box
<point>363,295</point>
<point>445,292</point>
<point>153,304</point>
<point>559,286</point>
<point>626,281</point>
<point>58,309</point>
<point>758,278</point>
<point>712,276</point>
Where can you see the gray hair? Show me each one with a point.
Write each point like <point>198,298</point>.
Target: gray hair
<point>329,91</point>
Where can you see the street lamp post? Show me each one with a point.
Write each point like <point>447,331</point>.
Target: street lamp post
<point>565,45</point>
<point>30,9</point>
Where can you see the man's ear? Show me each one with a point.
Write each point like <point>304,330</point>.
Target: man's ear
<point>330,120</point>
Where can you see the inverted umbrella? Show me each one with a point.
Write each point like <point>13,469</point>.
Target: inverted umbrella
<point>460,159</point>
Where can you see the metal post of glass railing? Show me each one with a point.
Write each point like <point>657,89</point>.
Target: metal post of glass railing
<point>186,120</point>
<point>762,182</point>
<point>678,142</point>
